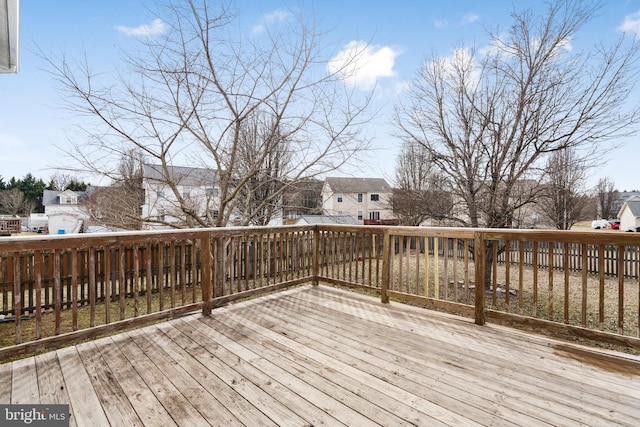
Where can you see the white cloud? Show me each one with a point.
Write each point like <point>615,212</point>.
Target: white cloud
<point>469,18</point>
<point>362,64</point>
<point>156,28</point>
<point>631,23</point>
<point>274,17</point>
<point>440,23</point>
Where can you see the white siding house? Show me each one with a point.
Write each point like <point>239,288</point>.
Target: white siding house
<point>361,198</point>
<point>64,210</point>
<point>629,214</point>
<point>195,185</point>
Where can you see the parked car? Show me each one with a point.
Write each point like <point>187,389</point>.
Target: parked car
<point>599,223</point>
<point>615,224</point>
<point>636,229</point>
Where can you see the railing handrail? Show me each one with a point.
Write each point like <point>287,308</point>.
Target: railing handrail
<point>271,254</point>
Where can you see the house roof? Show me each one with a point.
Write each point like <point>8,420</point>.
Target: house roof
<point>358,185</point>
<point>633,203</point>
<point>181,175</point>
<point>50,197</point>
<point>328,219</point>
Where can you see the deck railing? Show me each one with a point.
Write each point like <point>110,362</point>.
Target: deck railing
<point>59,289</point>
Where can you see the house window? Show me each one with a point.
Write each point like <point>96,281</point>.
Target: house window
<point>339,198</point>
<point>214,214</point>
<point>186,194</point>
<point>375,197</point>
<point>212,192</point>
<point>359,197</point>
<point>161,214</point>
<point>374,215</point>
<point>159,192</point>
<point>360,215</point>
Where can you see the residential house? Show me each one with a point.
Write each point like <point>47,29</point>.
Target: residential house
<point>621,197</point>
<point>362,198</point>
<point>302,198</point>
<point>629,214</point>
<point>163,189</point>
<point>65,210</point>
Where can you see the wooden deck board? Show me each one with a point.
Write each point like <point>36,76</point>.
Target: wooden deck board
<point>323,356</point>
<point>539,380</point>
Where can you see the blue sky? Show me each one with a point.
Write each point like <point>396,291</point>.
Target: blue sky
<point>401,33</point>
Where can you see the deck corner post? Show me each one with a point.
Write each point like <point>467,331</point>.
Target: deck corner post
<point>386,253</point>
<point>479,267</point>
<point>315,254</point>
<point>207,282</point>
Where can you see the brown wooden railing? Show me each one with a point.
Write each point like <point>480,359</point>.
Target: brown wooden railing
<point>59,289</point>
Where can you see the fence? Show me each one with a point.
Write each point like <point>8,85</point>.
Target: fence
<point>59,288</point>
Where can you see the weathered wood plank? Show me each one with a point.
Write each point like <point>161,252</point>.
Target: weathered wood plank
<point>6,373</point>
<point>85,405</point>
<point>24,384</point>
<point>314,406</point>
<point>146,405</point>
<point>541,379</point>
<point>176,404</point>
<point>424,408</point>
<point>393,367</point>
<point>53,389</point>
<point>199,395</point>
<point>117,407</point>
<point>188,358</point>
<point>266,403</point>
<point>329,381</point>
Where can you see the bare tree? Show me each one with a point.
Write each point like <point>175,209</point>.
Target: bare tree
<point>607,194</point>
<point>13,202</point>
<point>489,119</point>
<point>265,156</point>
<point>564,203</point>
<point>189,95</point>
<point>420,193</point>
<point>116,207</point>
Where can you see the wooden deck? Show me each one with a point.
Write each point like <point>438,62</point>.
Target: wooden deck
<point>322,356</point>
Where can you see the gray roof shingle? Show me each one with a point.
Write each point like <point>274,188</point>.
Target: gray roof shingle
<point>358,185</point>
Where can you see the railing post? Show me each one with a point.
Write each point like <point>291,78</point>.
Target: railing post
<point>479,267</point>
<point>315,255</point>
<point>386,253</point>
<point>207,283</point>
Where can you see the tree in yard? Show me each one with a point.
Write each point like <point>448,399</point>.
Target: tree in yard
<point>118,206</point>
<point>13,202</point>
<point>564,203</point>
<point>196,93</point>
<point>490,119</point>
<point>420,193</point>
<point>31,189</point>
<point>607,194</point>
<point>63,181</point>
<point>263,154</point>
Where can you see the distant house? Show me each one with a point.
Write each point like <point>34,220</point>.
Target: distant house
<point>163,188</point>
<point>301,198</point>
<point>616,205</point>
<point>629,213</point>
<point>65,211</point>
<point>362,198</point>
